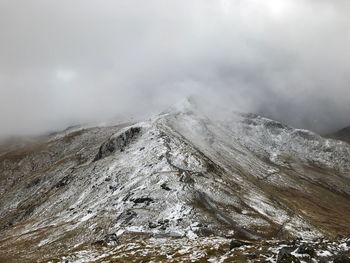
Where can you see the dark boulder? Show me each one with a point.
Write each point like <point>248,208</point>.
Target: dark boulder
<point>63,182</point>
<point>285,256</point>
<point>186,178</point>
<point>34,183</point>
<point>110,239</point>
<point>205,232</point>
<point>113,188</point>
<point>152,225</point>
<point>306,249</point>
<point>145,200</point>
<point>165,187</point>
<point>237,243</point>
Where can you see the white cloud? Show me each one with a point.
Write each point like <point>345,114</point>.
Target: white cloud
<point>65,75</point>
<point>72,61</point>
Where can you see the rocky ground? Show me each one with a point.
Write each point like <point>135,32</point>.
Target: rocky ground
<point>210,249</point>
<point>176,186</point>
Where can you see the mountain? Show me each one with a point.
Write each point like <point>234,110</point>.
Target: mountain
<point>123,192</point>
<point>343,135</point>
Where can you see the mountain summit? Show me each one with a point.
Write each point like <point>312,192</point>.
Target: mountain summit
<point>178,175</point>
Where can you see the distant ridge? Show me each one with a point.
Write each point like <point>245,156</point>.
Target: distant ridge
<point>343,134</point>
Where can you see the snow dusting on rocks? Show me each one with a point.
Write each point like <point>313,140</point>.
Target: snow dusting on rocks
<point>176,187</point>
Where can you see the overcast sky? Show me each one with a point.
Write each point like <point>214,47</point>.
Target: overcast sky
<point>71,61</point>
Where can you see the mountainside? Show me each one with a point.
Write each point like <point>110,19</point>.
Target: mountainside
<point>343,135</point>
<point>178,175</point>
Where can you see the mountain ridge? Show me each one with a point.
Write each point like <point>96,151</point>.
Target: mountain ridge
<point>180,174</point>
<point>342,134</point>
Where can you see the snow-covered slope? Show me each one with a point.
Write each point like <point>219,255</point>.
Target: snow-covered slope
<point>179,174</point>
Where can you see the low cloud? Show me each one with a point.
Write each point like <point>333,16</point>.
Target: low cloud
<point>68,62</point>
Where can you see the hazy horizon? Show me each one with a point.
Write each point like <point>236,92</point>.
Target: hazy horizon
<point>72,62</point>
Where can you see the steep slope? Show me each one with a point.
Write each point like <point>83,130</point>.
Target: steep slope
<point>179,174</point>
<point>343,135</point>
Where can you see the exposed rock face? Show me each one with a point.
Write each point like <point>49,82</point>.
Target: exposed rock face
<point>180,174</point>
<point>117,142</point>
<point>307,249</point>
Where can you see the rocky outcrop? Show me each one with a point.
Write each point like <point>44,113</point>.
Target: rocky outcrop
<point>180,175</point>
<point>237,243</point>
<point>117,142</point>
<point>306,249</point>
<point>285,256</point>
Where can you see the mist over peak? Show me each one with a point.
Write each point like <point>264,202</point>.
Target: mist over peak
<point>65,63</point>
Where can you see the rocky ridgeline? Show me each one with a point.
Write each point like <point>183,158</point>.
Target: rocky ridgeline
<point>176,187</point>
